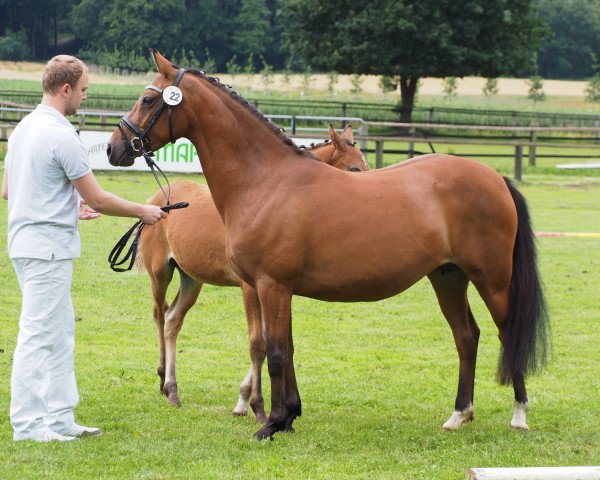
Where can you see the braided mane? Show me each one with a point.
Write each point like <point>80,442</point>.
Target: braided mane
<point>252,109</point>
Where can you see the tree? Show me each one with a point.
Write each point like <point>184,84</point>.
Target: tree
<point>252,32</point>
<point>536,89</point>
<point>592,89</point>
<point>410,39</point>
<point>491,87</point>
<point>450,87</point>
<point>575,35</point>
<point>37,20</point>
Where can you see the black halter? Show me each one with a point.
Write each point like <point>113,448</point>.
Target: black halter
<point>140,142</point>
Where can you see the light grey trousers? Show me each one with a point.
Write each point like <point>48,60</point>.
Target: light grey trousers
<point>43,387</point>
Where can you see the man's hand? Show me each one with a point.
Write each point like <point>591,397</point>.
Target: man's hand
<point>151,214</point>
<point>85,212</point>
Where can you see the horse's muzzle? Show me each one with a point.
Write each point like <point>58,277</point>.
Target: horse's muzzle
<point>119,156</point>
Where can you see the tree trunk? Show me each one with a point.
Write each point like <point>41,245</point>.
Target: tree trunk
<point>408,88</point>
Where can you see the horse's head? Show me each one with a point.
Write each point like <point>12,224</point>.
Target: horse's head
<point>153,121</point>
<point>346,155</point>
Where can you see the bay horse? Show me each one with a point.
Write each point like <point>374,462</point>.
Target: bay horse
<point>192,242</point>
<point>303,228</point>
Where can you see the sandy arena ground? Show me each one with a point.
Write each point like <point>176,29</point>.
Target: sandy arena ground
<point>319,82</point>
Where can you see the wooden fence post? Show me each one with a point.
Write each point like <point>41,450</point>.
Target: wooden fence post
<point>378,153</point>
<point>533,140</point>
<point>363,131</point>
<point>411,144</point>
<point>518,162</point>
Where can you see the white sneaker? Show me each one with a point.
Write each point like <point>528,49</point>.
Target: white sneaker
<point>48,436</point>
<point>80,431</point>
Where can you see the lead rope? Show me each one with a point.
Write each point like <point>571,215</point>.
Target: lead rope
<point>113,256</point>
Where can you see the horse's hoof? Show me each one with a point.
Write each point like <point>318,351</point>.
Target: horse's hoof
<point>458,418</point>
<point>240,413</point>
<point>264,433</point>
<point>519,426</point>
<point>519,420</point>
<point>174,400</point>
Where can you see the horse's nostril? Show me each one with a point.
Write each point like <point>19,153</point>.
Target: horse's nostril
<point>108,149</point>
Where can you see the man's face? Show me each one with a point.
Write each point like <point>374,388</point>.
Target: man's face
<point>77,94</point>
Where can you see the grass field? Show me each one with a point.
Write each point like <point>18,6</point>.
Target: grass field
<point>377,379</point>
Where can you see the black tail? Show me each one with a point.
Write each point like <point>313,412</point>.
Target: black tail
<point>527,327</point>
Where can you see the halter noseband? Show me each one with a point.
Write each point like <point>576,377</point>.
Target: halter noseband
<point>140,142</point>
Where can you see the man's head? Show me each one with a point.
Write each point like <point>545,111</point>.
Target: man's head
<point>65,83</point>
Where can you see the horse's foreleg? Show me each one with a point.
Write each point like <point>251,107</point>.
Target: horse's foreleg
<point>293,403</point>
<point>275,302</point>
<point>451,289</point>
<point>188,293</point>
<point>251,386</point>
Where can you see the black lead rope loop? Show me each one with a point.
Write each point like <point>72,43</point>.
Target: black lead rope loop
<point>113,256</point>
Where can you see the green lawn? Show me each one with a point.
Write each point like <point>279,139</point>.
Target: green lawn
<point>377,379</point>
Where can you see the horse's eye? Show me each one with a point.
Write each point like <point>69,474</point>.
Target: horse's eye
<point>148,101</point>
<point>354,169</point>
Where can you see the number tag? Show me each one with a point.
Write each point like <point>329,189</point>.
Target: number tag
<point>172,95</point>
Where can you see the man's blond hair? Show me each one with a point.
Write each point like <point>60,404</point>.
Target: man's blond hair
<point>61,70</point>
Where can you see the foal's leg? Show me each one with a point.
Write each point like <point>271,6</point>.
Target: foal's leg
<point>160,277</point>
<point>189,289</point>
<point>275,302</point>
<point>450,285</point>
<point>251,386</point>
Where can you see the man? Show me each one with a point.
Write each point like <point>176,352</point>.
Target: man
<point>46,172</point>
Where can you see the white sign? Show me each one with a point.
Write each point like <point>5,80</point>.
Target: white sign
<point>181,157</point>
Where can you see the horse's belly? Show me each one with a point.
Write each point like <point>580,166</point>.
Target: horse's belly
<point>364,285</point>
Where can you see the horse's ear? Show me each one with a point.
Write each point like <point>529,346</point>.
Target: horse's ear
<point>163,66</point>
<point>154,54</point>
<point>337,140</point>
<point>347,133</point>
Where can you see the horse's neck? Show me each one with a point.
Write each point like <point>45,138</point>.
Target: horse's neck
<point>241,156</point>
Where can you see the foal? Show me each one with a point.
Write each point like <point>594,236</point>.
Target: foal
<point>192,241</point>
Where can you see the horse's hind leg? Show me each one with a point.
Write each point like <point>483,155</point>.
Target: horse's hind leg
<point>251,386</point>
<point>497,301</point>
<point>450,285</point>
<point>189,289</point>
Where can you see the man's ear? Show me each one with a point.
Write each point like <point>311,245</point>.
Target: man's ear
<point>65,89</point>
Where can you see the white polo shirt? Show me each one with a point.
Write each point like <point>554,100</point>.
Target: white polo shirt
<point>44,154</point>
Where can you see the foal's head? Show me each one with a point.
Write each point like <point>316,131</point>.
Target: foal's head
<point>342,151</point>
